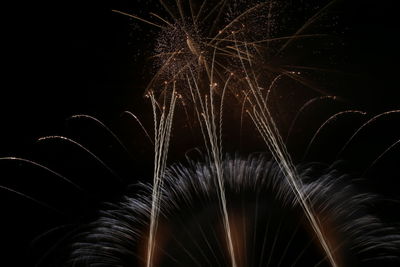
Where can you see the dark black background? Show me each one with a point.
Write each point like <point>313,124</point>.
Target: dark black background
<point>67,57</point>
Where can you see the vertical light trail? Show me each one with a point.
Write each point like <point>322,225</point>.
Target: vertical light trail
<point>212,132</point>
<point>162,134</point>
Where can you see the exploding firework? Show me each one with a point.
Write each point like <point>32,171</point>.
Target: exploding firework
<point>211,57</point>
<point>188,59</point>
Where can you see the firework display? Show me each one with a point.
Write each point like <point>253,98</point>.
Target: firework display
<point>238,179</point>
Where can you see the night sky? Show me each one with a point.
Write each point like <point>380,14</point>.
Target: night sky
<point>68,57</point>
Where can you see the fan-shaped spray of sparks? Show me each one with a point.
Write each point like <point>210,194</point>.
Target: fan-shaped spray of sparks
<point>268,225</point>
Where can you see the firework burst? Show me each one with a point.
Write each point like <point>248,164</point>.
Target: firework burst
<point>185,53</point>
<point>211,56</point>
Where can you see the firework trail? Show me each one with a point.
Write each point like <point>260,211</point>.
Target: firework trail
<point>162,134</point>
